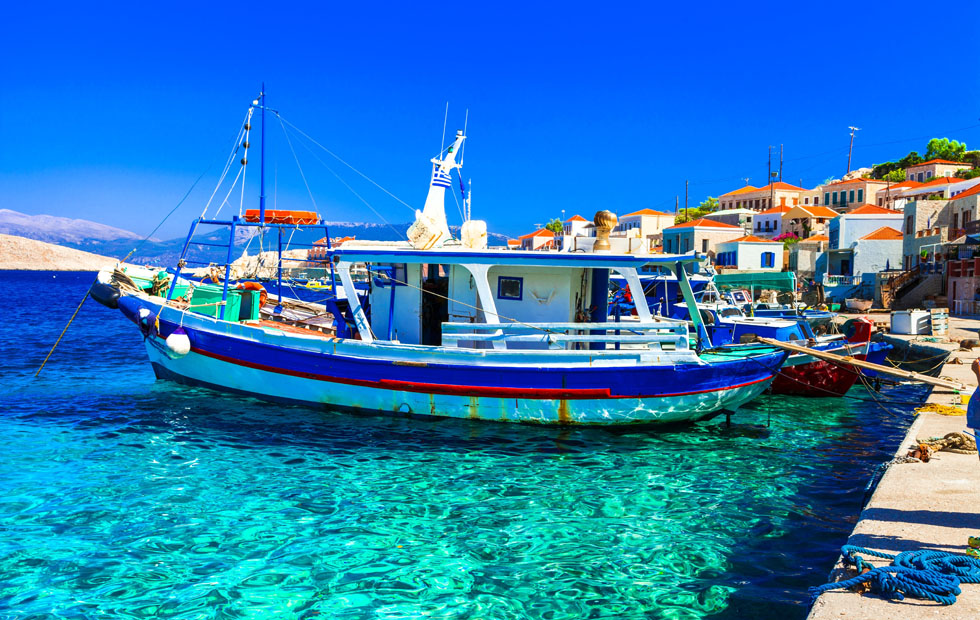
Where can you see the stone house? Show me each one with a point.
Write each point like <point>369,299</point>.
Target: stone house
<point>935,168</point>
<point>840,195</point>
<point>807,220</point>
<point>769,223</point>
<point>762,198</point>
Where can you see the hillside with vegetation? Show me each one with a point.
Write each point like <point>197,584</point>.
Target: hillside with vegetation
<point>937,148</point>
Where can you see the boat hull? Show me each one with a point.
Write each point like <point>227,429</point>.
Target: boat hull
<point>329,373</point>
<point>823,378</point>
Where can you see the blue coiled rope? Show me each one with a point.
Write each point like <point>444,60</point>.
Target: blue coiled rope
<point>926,574</point>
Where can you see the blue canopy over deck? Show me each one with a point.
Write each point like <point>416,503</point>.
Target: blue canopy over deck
<point>383,254</point>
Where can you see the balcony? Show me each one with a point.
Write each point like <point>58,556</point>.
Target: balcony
<point>963,268</point>
<point>841,280</point>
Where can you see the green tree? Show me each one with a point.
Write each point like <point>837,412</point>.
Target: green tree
<point>895,176</point>
<point>555,226</point>
<point>709,205</point>
<point>968,174</point>
<point>944,148</point>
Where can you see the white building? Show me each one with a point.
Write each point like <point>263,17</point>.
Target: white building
<point>750,253</point>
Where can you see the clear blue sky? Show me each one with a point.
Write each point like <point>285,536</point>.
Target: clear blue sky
<point>110,113</point>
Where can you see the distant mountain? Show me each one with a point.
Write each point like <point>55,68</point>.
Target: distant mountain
<point>118,243</point>
<point>58,230</point>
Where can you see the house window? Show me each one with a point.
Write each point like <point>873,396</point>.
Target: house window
<point>835,197</point>
<point>929,175</point>
<point>851,197</point>
<point>667,246</point>
<point>919,177</point>
<point>860,195</point>
<point>908,225</point>
<point>758,226</point>
<point>816,200</point>
<point>704,246</point>
<point>806,200</point>
<point>826,198</point>
<point>956,220</point>
<point>768,259</point>
<point>510,288</point>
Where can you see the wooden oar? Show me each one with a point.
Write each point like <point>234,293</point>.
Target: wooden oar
<point>885,370</point>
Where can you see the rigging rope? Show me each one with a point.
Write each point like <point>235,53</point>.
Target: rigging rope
<point>351,189</point>
<point>335,156</point>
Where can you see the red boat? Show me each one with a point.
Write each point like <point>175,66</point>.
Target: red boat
<point>804,375</point>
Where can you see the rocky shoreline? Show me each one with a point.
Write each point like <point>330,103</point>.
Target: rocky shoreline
<point>22,254</point>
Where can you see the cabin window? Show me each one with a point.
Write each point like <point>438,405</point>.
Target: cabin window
<point>510,288</point>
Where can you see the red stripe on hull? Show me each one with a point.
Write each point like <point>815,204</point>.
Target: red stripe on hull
<point>465,390</point>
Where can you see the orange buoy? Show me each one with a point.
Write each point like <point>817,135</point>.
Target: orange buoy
<point>255,286</point>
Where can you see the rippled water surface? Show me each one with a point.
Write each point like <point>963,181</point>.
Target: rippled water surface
<point>121,496</point>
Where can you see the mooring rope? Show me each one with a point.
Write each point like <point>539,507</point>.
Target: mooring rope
<point>924,574</point>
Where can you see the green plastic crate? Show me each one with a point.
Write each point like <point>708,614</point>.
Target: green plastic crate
<point>206,297</point>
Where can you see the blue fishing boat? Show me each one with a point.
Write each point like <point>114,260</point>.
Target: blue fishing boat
<point>446,328</point>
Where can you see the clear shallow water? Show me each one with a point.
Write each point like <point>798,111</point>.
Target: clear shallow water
<point>125,497</point>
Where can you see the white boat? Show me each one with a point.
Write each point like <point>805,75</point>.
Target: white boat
<point>858,305</point>
<point>453,331</point>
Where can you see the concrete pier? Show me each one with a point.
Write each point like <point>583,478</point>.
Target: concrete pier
<point>934,505</point>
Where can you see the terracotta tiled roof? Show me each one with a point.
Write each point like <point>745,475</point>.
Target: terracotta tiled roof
<point>941,181</point>
<point>861,180</point>
<point>941,161</point>
<point>781,185</point>
<point>752,239</point>
<point>871,210</point>
<point>818,211</point>
<point>816,239</point>
<point>742,190</point>
<point>647,212</point>
<point>705,223</point>
<point>779,209</point>
<point>511,242</point>
<point>973,191</point>
<point>543,232</point>
<point>885,233</point>
<point>904,185</point>
<point>576,218</point>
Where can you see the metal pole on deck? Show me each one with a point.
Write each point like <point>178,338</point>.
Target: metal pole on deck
<point>279,272</point>
<point>262,163</point>
<point>231,245</point>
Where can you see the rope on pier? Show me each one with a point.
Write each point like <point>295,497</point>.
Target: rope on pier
<point>959,443</point>
<point>924,574</point>
<point>940,409</point>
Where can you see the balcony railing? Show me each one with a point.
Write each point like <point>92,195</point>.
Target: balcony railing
<point>966,307</point>
<point>657,335</point>
<point>839,280</point>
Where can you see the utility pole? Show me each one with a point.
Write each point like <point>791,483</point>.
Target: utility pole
<point>769,175</point>
<point>685,199</point>
<point>851,148</point>
<point>780,163</point>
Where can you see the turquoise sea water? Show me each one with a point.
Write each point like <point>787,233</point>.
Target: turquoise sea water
<point>125,497</point>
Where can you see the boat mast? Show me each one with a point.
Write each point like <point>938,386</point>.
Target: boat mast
<point>262,161</point>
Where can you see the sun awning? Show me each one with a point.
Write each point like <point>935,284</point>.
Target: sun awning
<point>779,280</point>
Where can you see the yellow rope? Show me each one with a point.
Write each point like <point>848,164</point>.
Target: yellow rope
<point>940,409</point>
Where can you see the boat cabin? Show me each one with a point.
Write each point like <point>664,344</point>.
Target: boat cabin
<point>438,297</point>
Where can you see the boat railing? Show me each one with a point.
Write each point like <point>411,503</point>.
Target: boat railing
<point>657,335</point>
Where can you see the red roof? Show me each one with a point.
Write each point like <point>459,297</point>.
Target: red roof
<point>859,180</point>
<point>705,223</point>
<point>885,233</point>
<point>941,181</point>
<point>942,161</point>
<point>779,209</point>
<point>543,232</point>
<point>741,190</point>
<point>871,210</point>
<point>973,191</point>
<point>576,218</point>
<point>647,212</point>
<point>816,239</point>
<point>751,239</point>
<point>904,184</point>
<point>818,211</point>
<point>781,185</point>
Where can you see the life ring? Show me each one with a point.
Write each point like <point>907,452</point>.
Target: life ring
<point>255,286</point>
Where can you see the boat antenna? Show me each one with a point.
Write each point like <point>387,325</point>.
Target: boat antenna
<point>442,143</point>
<point>462,149</point>
<point>262,161</point>
<point>469,198</point>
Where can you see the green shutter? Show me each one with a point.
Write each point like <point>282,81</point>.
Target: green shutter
<point>826,198</point>
<point>835,197</point>
<point>860,195</point>
<point>852,196</point>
